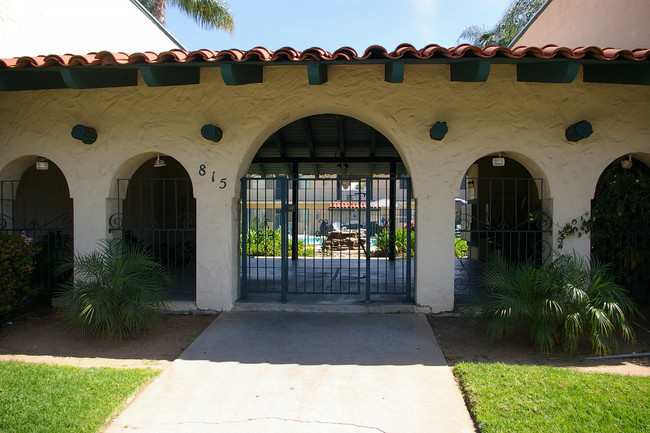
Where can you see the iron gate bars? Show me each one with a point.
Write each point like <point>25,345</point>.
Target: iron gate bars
<point>42,209</point>
<point>159,214</point>
<point>501,217</point>
<point>326,236</point>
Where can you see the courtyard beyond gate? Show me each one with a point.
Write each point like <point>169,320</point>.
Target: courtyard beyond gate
<point>351,239</point>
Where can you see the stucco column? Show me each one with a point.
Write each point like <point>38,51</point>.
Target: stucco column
<point>434,248</point>
<point>571,200</point>
<point>216,247</point>
<point>89,209</point>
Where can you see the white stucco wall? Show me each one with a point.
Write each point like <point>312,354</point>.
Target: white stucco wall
<point>42,27</point>
<point>584,23</point>
<point>525,121</point>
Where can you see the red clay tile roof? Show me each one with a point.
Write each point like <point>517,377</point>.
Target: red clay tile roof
<point>375,52</point>
<point>350,205</point>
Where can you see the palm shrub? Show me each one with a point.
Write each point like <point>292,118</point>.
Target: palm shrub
<point>594,305</point>
<point>115,291</point>
<point>563,303</point>
<point>517,299</point>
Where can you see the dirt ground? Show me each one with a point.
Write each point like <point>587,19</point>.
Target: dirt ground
<point>41,337</point>
<point>464,339</point>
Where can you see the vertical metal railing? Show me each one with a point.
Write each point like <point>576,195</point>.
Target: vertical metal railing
<point>42,210</point>
<point>243,250</point>
<point>284,233</point>
<point>331,225</point>
<point>409,247</point>
<point>368,245</point>
<point>499,217</point>
<point>159,215</point>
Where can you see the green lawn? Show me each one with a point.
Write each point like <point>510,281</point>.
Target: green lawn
<point>514,398</point>
<point>50,398</point>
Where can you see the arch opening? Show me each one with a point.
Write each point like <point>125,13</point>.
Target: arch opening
<point>620,223</point>
<point>37,203</point>
<point>156,209</point>
<point>327,210</point>
<point>499,213</point>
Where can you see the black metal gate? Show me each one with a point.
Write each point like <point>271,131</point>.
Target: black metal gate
<point>41,208</point>
<point>352,238</point>
<point>501,217</point>
<point>159,214</point>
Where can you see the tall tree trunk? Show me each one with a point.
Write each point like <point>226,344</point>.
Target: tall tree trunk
<point>159,10</point>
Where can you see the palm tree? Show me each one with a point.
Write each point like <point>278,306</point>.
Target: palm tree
<point>518,14</point>
<point>210,14</point>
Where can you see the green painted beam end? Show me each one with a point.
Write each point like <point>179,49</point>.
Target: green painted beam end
<point>234,74</point>
<point>624,73</point>
<point>95,78</point>
<point>317,73</point>
<point>163,75</point>
<point>548,72</point>
<point>472,71</point>
<point>30,80</point>
<point>394,72</point>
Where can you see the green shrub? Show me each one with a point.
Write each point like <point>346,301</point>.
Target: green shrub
<point>268,242</point>
<point>16,272</point>
<point>400,242</point>
<point>264,242</point>
<point>563,303</point>
<point>460,247</point>
<point>115,292</point>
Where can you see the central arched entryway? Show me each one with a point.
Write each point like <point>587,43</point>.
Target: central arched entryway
<point>327,212</point>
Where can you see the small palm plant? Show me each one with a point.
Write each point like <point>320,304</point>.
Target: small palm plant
<point>594,305</point>
<point>517,299</point>
<point>115,292</point>
<point>563,303</point>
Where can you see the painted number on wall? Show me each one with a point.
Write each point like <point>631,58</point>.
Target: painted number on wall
<point>222,182</point>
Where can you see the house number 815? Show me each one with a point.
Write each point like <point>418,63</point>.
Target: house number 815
<point>222,181</point>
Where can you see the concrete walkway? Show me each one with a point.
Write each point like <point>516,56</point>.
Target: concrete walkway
<point>304,372</point>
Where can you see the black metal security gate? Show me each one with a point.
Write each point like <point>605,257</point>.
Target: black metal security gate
<point>41,209</point>
<point>501,217</point>
<point>343,238</point>
<point>159,214</point>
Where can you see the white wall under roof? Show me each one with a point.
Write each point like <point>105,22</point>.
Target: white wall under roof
<point>42,27</point>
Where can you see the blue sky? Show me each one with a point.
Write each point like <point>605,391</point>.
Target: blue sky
<point>332,24</point>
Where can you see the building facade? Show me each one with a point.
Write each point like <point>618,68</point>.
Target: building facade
<point>528,107</point>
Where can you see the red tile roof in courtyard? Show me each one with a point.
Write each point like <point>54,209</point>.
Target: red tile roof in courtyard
<point>350,205</point>
<point>287,54</point>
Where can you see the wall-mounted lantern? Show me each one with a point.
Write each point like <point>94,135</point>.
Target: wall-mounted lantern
<point>578,131</point>
<point>84,133</point>
<point>212,133</point>
<point>42,164</point>
<point>438,130</point>
<point>627,163</point>
<point>159,162</point>
<point>498,161</point>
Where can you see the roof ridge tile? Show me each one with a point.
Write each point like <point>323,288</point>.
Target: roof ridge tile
<point>374,52</point>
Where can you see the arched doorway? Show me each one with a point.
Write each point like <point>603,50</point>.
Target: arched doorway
<point>156,208</point>
<point>620,224</point>
<point>38,204</point>
<point>327,212</point>
<point>499,212</point>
